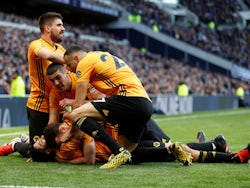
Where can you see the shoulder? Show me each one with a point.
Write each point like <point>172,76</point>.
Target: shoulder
<point>94,54</point>
<point>36,43</point>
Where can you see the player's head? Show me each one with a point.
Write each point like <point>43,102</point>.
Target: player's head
<point>72,56</point>
<point>40,152</point>
<point>51,23</point>
<point>15,74</point>
<point>57,133</point>
<point>59,76</point>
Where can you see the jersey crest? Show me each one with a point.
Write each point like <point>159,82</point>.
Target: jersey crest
<point>78,74</point>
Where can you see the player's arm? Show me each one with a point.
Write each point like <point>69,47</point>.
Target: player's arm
<point>50,55</point>
<point>53,115</point>
<point>81,92</point>
<point>88,154</point>
<point>94,94</point>
<point>54,108</point>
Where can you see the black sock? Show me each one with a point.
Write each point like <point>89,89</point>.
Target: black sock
<point>207,146</point>
<point>92,128</point>
<point>22,148</point>
<point>150,143</point>
<point>215,157</point>
<point>151,154</point>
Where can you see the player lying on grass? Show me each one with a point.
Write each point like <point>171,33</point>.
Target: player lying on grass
<point>156,151</point>
<point>59,133</point>
<point>152,138</point>
<point>150,150</point>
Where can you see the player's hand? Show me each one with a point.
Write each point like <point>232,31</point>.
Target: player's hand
<point>66,102</point>
<point>66,116</point>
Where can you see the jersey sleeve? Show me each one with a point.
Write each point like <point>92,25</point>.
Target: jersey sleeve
<point>85,68</point>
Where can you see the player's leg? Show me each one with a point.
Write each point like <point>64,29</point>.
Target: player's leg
<point>130,113</point>
<point>37,122</point>
<point>218,157</point>
<point>86,110</point>
<point>17,144</point>
<point>173,150</point>
<point>208,156</point>
<point>8,148</point>
<point>154,132</point>
<point>154,151</point>
<point>92,128</point>
<point>217,144</point>
<point>88,123</point>
<point>152,154</point>
<point>243,156</point>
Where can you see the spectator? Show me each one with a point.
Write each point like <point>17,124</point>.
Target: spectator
<point>240,93</point>
<point>17,88</point>
<point>182,90</point>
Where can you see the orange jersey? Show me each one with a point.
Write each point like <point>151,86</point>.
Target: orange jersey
<point>73,148</point>
<point>109,75</point>
<point>55,96</point>
<point>40,84</point>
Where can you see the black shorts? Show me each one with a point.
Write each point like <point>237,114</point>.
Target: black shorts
<point>37,121</point>
<point>130,113</point>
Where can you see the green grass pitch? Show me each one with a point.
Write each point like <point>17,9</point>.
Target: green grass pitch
<point>234,124</point>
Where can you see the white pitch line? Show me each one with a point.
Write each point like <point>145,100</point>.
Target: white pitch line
<point>202,116</point>
<point>11,134</point>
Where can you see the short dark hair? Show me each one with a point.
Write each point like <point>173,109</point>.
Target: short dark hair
<point>73,49</point>
<point>47,18</point>
<point>52,68</point>
<point>50,132</point>
<point>40,155</point>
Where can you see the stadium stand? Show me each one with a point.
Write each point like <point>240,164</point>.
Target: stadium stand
<point>220,11</point>
<point>160,75</point>
<point>226,39</point>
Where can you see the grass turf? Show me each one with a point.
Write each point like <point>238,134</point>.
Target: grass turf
<point>234,124</point>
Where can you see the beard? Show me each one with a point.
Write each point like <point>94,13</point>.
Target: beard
<point>56,38</point>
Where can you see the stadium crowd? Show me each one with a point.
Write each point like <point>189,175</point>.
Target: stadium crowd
<point>159,75</point>
<point>224,38</point>
<point>219,11</point>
